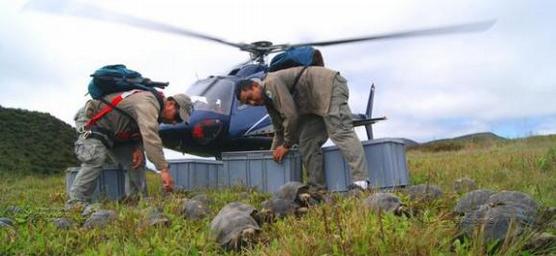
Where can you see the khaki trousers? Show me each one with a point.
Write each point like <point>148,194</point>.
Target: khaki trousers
<point>93,155</point>
<point>337,124</point>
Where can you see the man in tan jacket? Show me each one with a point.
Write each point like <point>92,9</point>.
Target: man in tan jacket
<point>123,134</point>
<point>308,105</point>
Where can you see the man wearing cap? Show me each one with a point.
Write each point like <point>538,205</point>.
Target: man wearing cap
<point>308,104</point>
<point>123,134</point>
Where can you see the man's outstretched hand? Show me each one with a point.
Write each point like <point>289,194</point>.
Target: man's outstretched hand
<point>167,181</point>
<point>279,153</point>
<point>137,158</point>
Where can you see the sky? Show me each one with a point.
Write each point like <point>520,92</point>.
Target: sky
<point>502,80</point>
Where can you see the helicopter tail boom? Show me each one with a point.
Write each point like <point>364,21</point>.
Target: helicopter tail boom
<point>368,121</point>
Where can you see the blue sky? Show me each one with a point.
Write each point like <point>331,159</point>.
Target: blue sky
<point>501,80</point>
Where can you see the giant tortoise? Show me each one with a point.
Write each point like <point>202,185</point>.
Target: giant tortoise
<point>472,200</point>
<point>154,216</point>
<point>6,222</point>
<point>234,226</point>
<point>194,209</point>
<point>464,185</point>
<point>503,215</point>
<point>291,198</point>
<point>425,192</point>
<point>384,202</point>
<point>514,198</point>
<point>100,219</point>
<point>495,223</point>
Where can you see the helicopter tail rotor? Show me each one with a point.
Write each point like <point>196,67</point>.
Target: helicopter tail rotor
<point>369,113</point>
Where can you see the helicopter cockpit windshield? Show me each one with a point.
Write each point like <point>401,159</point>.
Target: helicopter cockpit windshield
<point>212,94</point>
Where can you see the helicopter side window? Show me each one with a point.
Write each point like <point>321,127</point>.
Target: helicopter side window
<point>212,94</point>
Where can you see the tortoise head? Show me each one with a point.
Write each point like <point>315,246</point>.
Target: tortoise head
<point>304,197</point>
<point>245,238</point>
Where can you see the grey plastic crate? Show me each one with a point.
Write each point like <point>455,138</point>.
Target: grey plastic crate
<point>189,174</point>
<point>386,161</point>
<point>110,183</point>
<point>258,169</point>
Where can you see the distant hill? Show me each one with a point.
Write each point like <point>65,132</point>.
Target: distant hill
<point>34,142</point>
<point>409,142</point>
<point>482,139</point>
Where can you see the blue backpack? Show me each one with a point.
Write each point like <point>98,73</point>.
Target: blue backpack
<point>296,56</point>
<point>117,78</point>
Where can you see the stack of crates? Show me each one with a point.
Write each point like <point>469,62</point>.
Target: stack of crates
<point>386,162</point>
<point>257,169</point>
<point>253,169</point>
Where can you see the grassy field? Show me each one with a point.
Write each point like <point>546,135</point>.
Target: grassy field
<point>341,228</point>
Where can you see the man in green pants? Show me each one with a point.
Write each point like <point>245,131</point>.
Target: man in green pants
<point>123,134</point>
<point>308,105</point>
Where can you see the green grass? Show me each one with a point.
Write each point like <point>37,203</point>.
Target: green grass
<point>341,228</point>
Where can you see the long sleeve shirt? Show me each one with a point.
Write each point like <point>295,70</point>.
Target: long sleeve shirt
<point>144,108</point>
<point>285,103</point>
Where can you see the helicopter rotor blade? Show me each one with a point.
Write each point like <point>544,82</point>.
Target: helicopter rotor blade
<point>453,29</point>
<point>83,10</point>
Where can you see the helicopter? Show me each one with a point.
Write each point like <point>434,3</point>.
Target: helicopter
<point>219,122</point>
